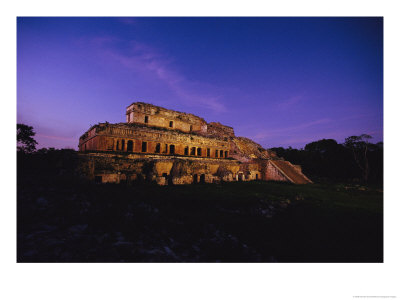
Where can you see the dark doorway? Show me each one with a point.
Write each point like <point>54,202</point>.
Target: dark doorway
<point>193,151</point>
<point>202,178</point>
<point>158,148</point>
<point>240,177</point>
<point>195,178</point>
<point>144,146</point>
<point>129,146</point>
<point>256,176</point>
<point>140,178</point>
<point>168,178</point>
<point>171,149</point>
<point>98,179</point>
<point>198,151</point>
<point>186,150</point>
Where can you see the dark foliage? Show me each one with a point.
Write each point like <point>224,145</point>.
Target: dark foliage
<point>25,141</point>
<point>356,160</point>
<point>62,218</point>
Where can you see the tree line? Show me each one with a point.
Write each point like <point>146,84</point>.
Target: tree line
<point>355,160</point>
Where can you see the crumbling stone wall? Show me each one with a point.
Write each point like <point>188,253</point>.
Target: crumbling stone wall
<point>245,150</point>
<point>136,138</point>
<point>170,147</point>
<point>218,130</point>
<point>111,168</point>
<point>152,115</point>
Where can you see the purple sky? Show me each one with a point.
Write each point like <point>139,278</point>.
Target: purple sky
<point>279,81</point>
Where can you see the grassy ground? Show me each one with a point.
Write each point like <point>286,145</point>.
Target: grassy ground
<point>66,220</point>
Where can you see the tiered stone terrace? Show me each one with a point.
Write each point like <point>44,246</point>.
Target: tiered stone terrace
<point>177,148</point>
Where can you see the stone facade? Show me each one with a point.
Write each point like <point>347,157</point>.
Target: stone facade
<point>170,147</point>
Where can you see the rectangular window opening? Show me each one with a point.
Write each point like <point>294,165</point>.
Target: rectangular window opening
<point>172,149</point>
<point>144,146</point>
<point>129,146</point>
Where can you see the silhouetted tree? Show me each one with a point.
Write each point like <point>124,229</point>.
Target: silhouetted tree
<point>322,146</point>
<point>359,147</point>
<point>326,159</point>
<point>25,141</point>
<point>375,161</point>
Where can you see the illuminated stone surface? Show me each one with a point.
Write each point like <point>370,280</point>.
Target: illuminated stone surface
<point>170,147</point>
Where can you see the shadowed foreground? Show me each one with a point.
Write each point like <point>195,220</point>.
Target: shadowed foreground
<point>235,222</point>
<point>62,218</point>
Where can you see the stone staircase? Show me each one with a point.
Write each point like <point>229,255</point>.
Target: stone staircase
<point>293,174</point>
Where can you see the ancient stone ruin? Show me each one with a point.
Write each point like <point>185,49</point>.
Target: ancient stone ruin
<point>170,147</point>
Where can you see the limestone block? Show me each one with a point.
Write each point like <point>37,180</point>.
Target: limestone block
<point>161,181</point>
<point>163,167</point>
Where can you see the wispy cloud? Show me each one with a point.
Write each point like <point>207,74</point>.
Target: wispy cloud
<point>290,137</point>
<point>140,57</point>
<point>285,130</point>
<point>290,102</point>
<point>60,138</point>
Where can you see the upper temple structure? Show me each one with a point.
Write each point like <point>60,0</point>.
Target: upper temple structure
<point>171,147</point>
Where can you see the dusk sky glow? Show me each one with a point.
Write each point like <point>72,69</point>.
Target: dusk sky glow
<point>279,81</point>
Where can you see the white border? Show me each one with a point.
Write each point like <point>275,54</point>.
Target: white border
<point>198,281</point>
